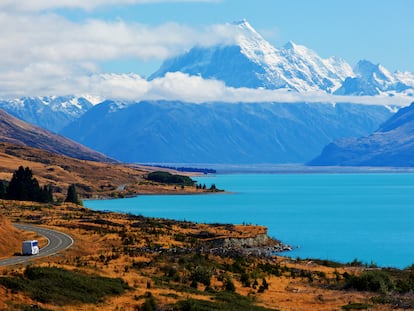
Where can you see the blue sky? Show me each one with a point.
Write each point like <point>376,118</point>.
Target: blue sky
<point>377,30</point>
<point>106,47</point>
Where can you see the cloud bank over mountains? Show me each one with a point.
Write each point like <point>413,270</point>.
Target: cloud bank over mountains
<point>44,53</point>
<point>194,89</point>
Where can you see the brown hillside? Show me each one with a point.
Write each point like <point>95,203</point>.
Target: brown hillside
<point>157,258</point>
<point>10,238</point>
<point>93,179</point>
<point>13,130</point>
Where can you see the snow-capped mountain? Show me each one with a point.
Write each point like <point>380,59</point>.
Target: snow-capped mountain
<point>371,79</point>
<point>220,132</point>
<point>52,113</point>
<point>253,62</point>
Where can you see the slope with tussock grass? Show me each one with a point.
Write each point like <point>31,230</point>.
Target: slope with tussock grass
<point>92,179</point>
<point>169,266</point>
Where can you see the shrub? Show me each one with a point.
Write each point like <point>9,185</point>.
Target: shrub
<point>228,284</point>
<point>168,178</point>
<point>245,279</point>
<point>61,287</point>
<point>356,306</point>
<point>200,275</point>
<point>374,281</point>
<point>224,301</point>
<point>149,304</point>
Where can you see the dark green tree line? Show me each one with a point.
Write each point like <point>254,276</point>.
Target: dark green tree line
<point>24,187</point>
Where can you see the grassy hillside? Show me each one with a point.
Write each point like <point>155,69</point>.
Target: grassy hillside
<point>15,131</point>
<point>155,264</point>
<point>92,179</point>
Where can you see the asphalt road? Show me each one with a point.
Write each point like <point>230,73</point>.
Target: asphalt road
<point>58,241</point>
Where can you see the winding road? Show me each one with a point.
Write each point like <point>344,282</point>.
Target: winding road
<point>57,241</point>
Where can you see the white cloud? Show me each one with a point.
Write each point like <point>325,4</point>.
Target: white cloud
<point>28,39</point>
<point>43,53</point>
<point>41,5</point>
<point>174,86</point>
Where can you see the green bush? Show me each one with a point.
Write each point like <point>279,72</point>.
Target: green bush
<point>200,275</point>
<point>59,286</point>
<point>224,301</point>
<point>373,281</point>
<point>168,178</point>
<point>356,306</point>
<point>228,284</point>
<point>149,304</point>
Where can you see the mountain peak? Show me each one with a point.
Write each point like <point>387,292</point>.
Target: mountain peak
<point>241,23</point>
<point>249,60</point>
<point>247,36</point>
<point>375,74</point>
<point>365,66</point>
<point>290,45</point>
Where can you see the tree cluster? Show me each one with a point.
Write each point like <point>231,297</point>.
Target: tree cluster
<point>24,187</point>
<point>168,178</point>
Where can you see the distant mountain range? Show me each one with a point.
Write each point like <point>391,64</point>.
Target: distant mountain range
<point>391,145</point>
<point>172,131</point>
<point>52,113</point>
<point>165,131</point>
<point>15,131</point>
<point>373,79</point>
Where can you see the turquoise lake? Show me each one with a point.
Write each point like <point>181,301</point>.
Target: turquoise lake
<point>328,216</point>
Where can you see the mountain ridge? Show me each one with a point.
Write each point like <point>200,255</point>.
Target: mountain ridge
<point>392,144</point>
<point>176,132</point>
<point>49,112</point>
<point>16,131</point>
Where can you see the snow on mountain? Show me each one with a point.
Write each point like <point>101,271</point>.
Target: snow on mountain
<point>406,78</point>
<point>374,79</point>
<point>253,62</point>
<point>52,113</point>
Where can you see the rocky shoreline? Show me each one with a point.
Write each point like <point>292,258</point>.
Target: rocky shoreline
<point>260,246</point>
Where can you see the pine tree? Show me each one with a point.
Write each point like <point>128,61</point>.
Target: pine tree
<point>23,186</point>
<point>46,194</point>
<point>2,190</point>
<point>72,196</point>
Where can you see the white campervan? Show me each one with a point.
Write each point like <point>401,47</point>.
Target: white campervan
<point>30,247</point>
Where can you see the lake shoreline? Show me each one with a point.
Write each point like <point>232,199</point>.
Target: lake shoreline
<point>371,211</point>
<point>294,168</point>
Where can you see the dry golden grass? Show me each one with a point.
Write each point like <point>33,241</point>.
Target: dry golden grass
<point>101,240</point>
<point>93,179</point>
<point>11,238</point>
